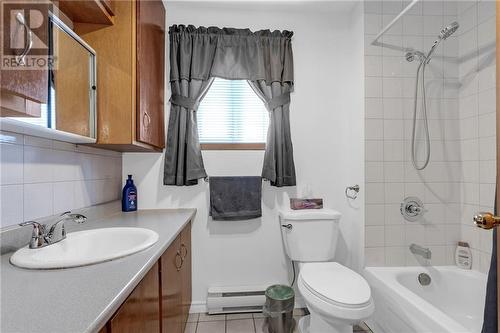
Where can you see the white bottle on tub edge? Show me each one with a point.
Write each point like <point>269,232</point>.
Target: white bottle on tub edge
<point>463,255</point>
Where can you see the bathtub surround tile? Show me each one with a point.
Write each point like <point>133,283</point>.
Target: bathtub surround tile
<point>41,177</point>
<point>374,256</point>
<point>374,236</point>
<point>461,89</point>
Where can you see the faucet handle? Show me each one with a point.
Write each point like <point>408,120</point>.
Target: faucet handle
<point>38,228</point>
<point>38,238</point>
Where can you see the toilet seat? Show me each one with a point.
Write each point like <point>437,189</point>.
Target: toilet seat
<point>335,292</point>
<point>336,284</point>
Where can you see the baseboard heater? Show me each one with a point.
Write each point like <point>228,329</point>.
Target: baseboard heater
<point>235,299</point>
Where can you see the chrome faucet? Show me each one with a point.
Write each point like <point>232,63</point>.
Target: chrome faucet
<point>40,237</point>
<point>421,251</point>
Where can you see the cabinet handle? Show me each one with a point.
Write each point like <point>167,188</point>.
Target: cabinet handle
<point>184,247</point>
<point>29,36</point>
<point>146,119</point>
<point>178,263</point>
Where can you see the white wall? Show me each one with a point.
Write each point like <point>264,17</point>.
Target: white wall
<point>327,133</point>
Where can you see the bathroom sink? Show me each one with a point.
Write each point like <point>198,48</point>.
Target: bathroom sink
<point>87,247</point>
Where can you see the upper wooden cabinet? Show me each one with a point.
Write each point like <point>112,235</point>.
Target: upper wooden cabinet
<point>130,76</point>
<point>23,78</point>
<point>88,11</point>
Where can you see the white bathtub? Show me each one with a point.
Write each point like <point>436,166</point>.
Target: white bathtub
<point>452,303</point>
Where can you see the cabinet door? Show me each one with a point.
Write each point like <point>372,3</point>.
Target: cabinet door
<point>186,272</point>
<point>171,287</point>
<point>141,311</point>
<point>28,81</point>
<point>150,72</point>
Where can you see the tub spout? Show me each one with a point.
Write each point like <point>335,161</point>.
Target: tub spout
<point>421,251</point>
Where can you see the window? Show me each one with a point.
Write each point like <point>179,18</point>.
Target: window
<point>232,116</point>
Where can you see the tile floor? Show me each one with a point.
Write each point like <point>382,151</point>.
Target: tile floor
<point>241,323</point>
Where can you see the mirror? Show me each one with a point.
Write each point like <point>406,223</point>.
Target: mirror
<point>71,106</point>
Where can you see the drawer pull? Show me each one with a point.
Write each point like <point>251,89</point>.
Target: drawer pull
<point>184,251</point>
<point>178,261</point>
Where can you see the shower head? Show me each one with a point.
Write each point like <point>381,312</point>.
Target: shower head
<point>449,30</point>
<point>445,33</point>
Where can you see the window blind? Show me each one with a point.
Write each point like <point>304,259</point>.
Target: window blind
<point>231,112</point>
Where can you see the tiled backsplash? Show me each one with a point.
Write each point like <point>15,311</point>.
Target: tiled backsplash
<point>455,184</point>
<point>41,177</point>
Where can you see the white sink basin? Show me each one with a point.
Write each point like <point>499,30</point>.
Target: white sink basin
<point>86,248</point>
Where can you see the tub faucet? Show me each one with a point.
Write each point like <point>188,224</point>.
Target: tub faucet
<point>421,251</point>
<point>40,237</point>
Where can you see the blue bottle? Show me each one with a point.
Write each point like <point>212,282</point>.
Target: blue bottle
<point>129,196</point>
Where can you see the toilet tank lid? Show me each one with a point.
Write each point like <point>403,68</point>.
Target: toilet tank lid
<point>310,214</point>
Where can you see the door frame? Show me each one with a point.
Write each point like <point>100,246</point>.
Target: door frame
<point>498,149</point>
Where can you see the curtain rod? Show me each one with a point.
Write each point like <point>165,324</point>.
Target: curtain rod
<point>397,18</point>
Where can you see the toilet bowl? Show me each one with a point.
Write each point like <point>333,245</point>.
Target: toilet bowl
<point>336,296</point>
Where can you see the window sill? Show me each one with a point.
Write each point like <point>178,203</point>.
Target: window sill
<point>233,146</point>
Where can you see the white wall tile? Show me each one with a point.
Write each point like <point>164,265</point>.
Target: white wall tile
<point>374,236</point>
<point>461,91</point>
<point>49,177</point>
<point>374,150</point>
<point>64,197</point>
<point>37,142</point>
<point>374,129</point>
<point>374,256</point>
<point>374,108</point>
<point>374,172</point>
<point>38,164</point>
<point>374,215</point>
<point>11,204</point>
<point>395,256</point>
<point>11,159</point>
<point>38,200</point>
<point>12,138</point>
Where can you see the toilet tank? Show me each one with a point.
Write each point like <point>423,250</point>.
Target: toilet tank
<point>310,234</point>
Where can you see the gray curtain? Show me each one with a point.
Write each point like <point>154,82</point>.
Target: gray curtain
<point>197,56</point>
<point>278,167</point>
<point>183,160</point>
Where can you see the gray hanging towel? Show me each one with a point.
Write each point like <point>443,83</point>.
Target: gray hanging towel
<point>235,198</point>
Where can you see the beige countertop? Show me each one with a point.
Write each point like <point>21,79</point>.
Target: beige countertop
<point>83,299</point>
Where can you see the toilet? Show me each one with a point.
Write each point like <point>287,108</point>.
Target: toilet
<point>336,296</point>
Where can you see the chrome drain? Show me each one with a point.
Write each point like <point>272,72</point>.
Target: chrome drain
<point>424,279</point>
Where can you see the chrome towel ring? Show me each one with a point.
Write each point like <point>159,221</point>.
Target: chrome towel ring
<point>352,192</point>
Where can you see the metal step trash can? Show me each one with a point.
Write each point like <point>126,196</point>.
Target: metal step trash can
<point>278,309</point>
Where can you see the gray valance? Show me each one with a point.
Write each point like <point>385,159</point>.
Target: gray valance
<point>234,54</point>
<point>198,55</point>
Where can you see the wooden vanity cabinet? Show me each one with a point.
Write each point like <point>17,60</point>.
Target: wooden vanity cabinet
<point>140,312</point>
<point>186,275</point>
<point>130,76</point>
<point>161,301</point>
